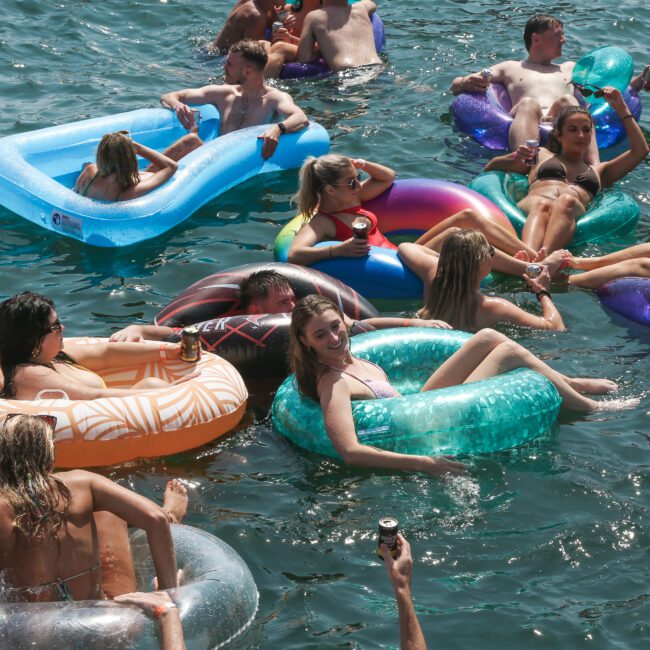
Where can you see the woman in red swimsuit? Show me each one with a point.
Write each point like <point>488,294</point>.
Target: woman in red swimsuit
<point>116,177</point>
<point>561,184</point>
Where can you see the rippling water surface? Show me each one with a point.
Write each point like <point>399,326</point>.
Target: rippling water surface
<point>545,547</point>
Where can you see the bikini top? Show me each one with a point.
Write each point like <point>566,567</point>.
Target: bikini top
<point>343,231</point>
<point>92,180</point>
<point>553,169</point>
<point>380,389</point>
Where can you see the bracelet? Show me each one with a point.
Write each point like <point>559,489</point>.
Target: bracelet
<point>161,609</point>
<point>170,519</point>
<point>406,322</point>
<point>628,115</point>
<point>330,250</point>
<point>362,162</point>
<point>542,293</point>
<point>163,352</point>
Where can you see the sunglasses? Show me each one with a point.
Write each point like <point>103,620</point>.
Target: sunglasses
<point>585,89</point>
<point>51,420</point>
<point>353,183</point>
<point>491,251</point>
<point>54,327</point>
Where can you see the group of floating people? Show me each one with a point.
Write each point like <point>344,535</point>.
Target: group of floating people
<point>74,523</point>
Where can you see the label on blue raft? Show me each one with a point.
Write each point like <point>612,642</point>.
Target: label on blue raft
<point>67,223</point>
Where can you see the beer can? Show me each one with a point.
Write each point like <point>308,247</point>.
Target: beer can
<point>360,229</point>
<point>533,270</point>
<point>486,73</point>
<point>388,528</point>
<point>190,344</point>
<point>276,25</point>
<point>532,159</point>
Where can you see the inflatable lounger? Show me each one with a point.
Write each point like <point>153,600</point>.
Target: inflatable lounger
<point>217,601</point>
<point>629,297</point>
<point>39,168</point>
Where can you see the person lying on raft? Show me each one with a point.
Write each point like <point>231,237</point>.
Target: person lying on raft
<point>330,198</point>
<point>34,358</point>
<point>115,175</point>
<point>561,184</point>
<point>243,101</point>
<point>268,292</point>
<point>328,372</point>
<point>52,547</point>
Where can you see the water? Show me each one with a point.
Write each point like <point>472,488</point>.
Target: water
<point>544,547</point>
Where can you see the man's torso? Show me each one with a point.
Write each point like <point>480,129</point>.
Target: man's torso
<point>239,112</point>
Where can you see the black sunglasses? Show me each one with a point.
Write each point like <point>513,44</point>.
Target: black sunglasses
<point>491,251</point>
<point>48,419</point>
<point>353,183</point>
<point>585,89</point>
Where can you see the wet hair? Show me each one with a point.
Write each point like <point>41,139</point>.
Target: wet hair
<point>252,51</point>
<point>315,174</point>
<point>553,142</point>
<point>116,155</point>
<point>452,294</point>
<point>302,358</point>
<point>24,323</point>
<point>259,284</point>
<point>538,24</point>
<point>40,501</point>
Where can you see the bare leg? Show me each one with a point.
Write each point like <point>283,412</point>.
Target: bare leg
<point>469,218</point>
<point>589,263</point>
<point>118,572</point>
<point>590,385</point>
<point>525,125</point>
<point>598,277</point>
<point>538,209</point>
<point>279,54</point>
<point>562,222</point>
<point>179,149</point>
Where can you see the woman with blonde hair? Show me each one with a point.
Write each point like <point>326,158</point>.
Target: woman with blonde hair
<point>116,176</point>
<point>51,547</point>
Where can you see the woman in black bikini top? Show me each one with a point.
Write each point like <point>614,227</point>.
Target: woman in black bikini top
<point>562,184</point>
<point>116,177</point>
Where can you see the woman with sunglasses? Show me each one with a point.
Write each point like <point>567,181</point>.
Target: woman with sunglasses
<point>454,294</point>
<point>561,184</point>
<point>35,360</point>
<point>51,545</point>
<point>115,175</point>
<point>330,196</point>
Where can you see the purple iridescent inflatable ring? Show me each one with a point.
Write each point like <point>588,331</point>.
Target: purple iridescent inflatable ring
<point>629,297</point>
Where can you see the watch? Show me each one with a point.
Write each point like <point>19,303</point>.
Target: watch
<point>282,127</point>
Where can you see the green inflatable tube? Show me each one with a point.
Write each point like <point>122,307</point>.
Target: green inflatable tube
<point>482,417</point>
<point>611,214</point>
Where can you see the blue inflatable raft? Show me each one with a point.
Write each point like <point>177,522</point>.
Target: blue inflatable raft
<point>38,170</point>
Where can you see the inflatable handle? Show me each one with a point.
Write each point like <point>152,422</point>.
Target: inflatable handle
<point>604,66</point>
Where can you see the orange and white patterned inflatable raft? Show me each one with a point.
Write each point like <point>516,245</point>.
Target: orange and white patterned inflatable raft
<point>161,422</point>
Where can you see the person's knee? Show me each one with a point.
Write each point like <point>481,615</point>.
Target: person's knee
<point>471,216</point>
<point>643,265</point>
<point>544,206</point>
<point>528,105</point>
<point>567,202</point>
<point>191,141</point>
<point>489,336</point>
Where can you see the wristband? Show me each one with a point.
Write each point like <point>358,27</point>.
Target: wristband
<point>628,115</point>
<point>330,250</point>
<point>163,352</point>
<point>540,294</point>
<point>361,162</point>
<point>161,609</point>
<point>282,127</point>
<point>406,322</point>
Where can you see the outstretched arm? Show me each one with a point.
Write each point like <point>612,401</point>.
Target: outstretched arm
<point>180,101</point>
<point>104,354</point>
<point>293,119</point>
<point>615,169</point>
<point>140,333</point>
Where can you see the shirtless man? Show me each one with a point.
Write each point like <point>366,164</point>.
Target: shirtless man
<point>538,88</point>
<point>340,33</point>
<point>249,19</point>
<point>244,100</point>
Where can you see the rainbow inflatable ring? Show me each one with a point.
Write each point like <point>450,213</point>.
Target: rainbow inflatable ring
<point>162,422</point>
<point>407,209</point>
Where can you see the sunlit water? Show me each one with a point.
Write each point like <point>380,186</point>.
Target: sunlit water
<point>544,547</point>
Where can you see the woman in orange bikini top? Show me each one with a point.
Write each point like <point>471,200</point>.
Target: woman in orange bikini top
<point>116,177</point>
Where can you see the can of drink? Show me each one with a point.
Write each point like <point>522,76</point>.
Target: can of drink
<point>190,344</point>
<point>388,528</point>
<point>276,25</point>
<point>533,270</point>
<point>486,73</point>
<point>196,115</point>
<point>534,145</point>
<point>360,229</point>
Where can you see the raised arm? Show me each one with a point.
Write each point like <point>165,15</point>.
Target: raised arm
<point>380,178</point>
<point>615,169</point>
<point>180,101</point>
<point>166,169</point>
<point>142,513</point>
<point>336,403</point>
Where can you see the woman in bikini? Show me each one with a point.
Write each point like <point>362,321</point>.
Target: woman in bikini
<point>116,176</point>
<point>326,371</point>
<point>330,197</point>
<point>51,547</point>
<point>35,360</point>
<point>561,184</point>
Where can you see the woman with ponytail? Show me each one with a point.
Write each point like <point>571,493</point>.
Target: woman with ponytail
<point>562,184</point>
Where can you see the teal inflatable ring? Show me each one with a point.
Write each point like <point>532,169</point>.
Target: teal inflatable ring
<point>611,214</point>
<point>482,417</point>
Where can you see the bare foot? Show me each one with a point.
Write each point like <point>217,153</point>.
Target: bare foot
<point>618,404</point>
<point>522,255</point>
<point>175,500</point>
<point>590,386</point>
<point>541,254</point>
<point>555,261</point>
